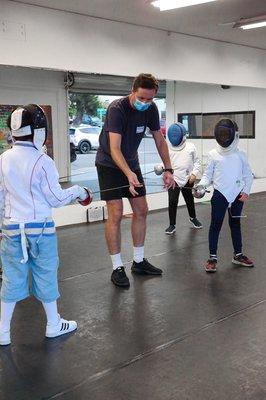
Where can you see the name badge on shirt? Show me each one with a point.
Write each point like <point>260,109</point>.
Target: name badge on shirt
<point>140,129</point>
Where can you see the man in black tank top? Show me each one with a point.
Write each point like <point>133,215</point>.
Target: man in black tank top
<point>118,166</point>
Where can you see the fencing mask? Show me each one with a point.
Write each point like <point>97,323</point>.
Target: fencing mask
<point>177,134</point>
<point>226,133</point>
<point>29,120</point>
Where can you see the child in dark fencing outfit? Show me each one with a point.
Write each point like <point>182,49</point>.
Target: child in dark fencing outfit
<point>229,172</point>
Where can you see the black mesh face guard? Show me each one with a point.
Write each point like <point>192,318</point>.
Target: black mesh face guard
<point>38,117</point>
<point>224,135</point>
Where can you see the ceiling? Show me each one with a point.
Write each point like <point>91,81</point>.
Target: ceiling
<point>206,20</point>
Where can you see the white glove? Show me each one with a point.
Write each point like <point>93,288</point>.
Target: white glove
<point>83,194</point>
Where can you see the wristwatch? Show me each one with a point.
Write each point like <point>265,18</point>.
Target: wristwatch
<point>169,170</point>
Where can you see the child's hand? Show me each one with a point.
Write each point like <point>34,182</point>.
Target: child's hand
<point>168,180</point>
<point>86,198</point>
<point>243,197</point>
<point>192,179</point>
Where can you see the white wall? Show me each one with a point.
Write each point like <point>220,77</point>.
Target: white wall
<point>196,98</point>
<point>40,37</point>
<point>24,85</point>
<point>256,148</point>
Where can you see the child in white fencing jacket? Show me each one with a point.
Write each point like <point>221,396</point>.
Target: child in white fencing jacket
<point>29,189</point>
<point>186,165</point>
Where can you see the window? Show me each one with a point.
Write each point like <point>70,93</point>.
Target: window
<point>90,130</point>
<point>71,131</point>
<point>201,126</point>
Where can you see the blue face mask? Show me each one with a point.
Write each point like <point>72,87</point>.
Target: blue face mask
<point>140,106</point>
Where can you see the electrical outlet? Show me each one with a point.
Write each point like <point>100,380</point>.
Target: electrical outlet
<point>94,214</point>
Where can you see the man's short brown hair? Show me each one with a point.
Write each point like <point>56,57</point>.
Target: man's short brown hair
<point>145,81</point>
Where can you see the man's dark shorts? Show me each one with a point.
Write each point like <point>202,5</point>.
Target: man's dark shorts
<point>110,178</point>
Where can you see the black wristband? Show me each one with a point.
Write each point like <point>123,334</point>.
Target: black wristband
<point>169,170</point>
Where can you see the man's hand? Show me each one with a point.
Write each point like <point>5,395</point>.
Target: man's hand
<point>192,179</point>
<point>133,182</point>
<point>168,180</point>
<point>243,197</point>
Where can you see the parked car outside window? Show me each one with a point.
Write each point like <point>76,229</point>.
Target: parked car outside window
<point>91,120</point>
<point>85,138</point>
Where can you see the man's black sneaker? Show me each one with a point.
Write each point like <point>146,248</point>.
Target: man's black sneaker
<point>195,222</point>
<point>170,230</point>
<point>145,268</point>
<point>119,277</point>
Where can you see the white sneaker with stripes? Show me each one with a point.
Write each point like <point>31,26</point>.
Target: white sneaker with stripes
<point>61,328</point>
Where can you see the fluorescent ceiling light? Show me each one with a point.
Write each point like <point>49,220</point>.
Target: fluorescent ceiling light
<point>251,23</point>
<point>171,4</point>
<point>253,26</point>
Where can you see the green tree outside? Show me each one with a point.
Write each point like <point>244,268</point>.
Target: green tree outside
<point>83,103</point>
